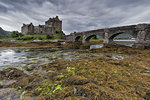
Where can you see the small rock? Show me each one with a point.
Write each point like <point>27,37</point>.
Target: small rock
<point>11,73</point>
<point>75,90</point>
<point>52,75</point>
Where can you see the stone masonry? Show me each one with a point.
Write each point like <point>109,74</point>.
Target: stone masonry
<point>140,32</point>
<point>50,27</point>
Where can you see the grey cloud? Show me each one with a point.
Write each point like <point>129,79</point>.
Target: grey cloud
<point>77,15</point>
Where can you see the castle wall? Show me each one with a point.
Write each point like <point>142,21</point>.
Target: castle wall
<point>24,30</point>
<point>48,30</point>
<point>58,26</point>
<point>31,29</point>
<point>27,29</point>
<point>50,27</point>
<point>36,29</point>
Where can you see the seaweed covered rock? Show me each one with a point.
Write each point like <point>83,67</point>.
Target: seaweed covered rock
<point>147,96</point>
<point>76,80</point>
<point>89,91</point>
<point>72,45</point>
<point>77,98</point>
<point>85,46</point>
<point>11,73</point>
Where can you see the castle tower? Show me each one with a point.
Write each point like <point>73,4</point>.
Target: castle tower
<point>27,29</point>
<point>55,24</point>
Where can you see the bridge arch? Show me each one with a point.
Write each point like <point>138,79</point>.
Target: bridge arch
<point>78,39</point>
<point>111,37</point>
<point>89,37</point>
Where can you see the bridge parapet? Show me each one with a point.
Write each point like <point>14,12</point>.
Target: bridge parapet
<point>142,27</point>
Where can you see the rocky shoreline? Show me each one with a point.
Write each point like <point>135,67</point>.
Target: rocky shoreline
<point>94,78</point>
<point>46,44</point>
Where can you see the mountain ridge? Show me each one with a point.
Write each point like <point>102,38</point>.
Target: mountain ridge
<point>3,33</point>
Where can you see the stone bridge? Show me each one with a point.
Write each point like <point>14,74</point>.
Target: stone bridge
<point>140,32</point>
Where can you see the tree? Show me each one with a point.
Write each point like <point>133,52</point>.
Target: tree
<point>16,34</point>
<point>60,32</point>
<point>74,32</point>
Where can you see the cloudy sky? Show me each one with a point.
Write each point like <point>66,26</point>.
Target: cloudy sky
<point>77,15</point>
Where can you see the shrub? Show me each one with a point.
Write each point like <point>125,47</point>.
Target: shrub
<point>26,37</point>
<point>40,38</point>
<point>60,32</point>
<point>48,36</point>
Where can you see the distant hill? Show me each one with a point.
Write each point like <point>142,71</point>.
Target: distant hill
<point>4,34</point>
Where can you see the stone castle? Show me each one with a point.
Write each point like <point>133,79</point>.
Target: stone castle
<point>50,27</point>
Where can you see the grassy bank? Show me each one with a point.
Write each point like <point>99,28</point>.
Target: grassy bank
<point>36,37</point>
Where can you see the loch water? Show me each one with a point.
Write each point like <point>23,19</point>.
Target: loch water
<point>22,57</point>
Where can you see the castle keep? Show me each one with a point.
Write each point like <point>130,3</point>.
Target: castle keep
<point>50,27</point>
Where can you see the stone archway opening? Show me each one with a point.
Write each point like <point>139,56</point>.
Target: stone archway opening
<point>94,38</point>
<point>123,38</point>
<point>78,39</point>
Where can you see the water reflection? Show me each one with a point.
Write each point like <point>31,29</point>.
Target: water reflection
<point>125,40</point>
<point>9,56</point>
<point>22,57</point>
<point>128,43</point>
<point>96,46</point>
<point>101,45</point>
